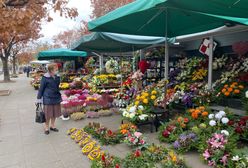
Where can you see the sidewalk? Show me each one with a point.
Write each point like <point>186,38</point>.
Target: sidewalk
<point>24,145</point>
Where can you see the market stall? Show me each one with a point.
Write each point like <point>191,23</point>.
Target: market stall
<point>215,134</point>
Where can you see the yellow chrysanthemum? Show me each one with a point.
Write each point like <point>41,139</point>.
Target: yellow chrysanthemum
<point>142,97</point>
<point>138,97</point>
<point>154,92</point>
<point>145,101</point>
<point>136,103</point>
<point>153,97</point>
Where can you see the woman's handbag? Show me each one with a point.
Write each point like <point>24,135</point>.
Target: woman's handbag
<point>40,115</point>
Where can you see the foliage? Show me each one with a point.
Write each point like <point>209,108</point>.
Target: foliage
<point>21,22</point>
<point>102,7</point>
<point>104,135</point>
<point>106,161</point>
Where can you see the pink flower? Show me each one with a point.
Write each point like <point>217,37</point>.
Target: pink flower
<point>206,154</point>
<point>137,134</point>
<point>211,163</point>
<point>224,159</point>
<point>132,139</point>
<point>142,141</point>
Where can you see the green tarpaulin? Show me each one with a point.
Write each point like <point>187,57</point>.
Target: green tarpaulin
<point>112,42</point>
<point>60,53</point>
<point>176,17</point>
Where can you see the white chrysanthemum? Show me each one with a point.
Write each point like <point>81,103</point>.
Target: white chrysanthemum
<point>246,94</point>
<point>143,116</point>
<point>141,107</point>
<point>223,113</point>
<point>224,120</point>
<point>132,109</point>
<point>225,132</point>
<point>125,113</point>
<point>212,123</point>
<point>235,158</point>
<point>218,116</point>
<point>132,115</point>
<point>211,116</point>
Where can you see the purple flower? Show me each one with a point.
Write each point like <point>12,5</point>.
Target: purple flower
<point>176,144</point>
<point>192,136</point>
<point>183,137</point>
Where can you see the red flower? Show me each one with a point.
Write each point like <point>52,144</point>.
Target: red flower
<point>186,120</point>
<point>103,158</point>
<point>169,128</point>
<point>117,166</point>
<point>242,123</point>
<point>166,134</point>
<point>137,153</point>
<point>110,132</point>
<point>239,130</point>
<point>245,118</point>
<point>231,122</point>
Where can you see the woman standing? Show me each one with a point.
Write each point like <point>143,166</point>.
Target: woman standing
<point>49,91</point>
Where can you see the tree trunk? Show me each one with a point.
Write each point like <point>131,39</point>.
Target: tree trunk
<point>5,69</point>
<point>14,65</point>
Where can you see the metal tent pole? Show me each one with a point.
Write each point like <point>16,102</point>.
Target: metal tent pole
<point>210,63</point>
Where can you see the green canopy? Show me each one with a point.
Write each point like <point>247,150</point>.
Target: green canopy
<point>112,42</point>
<point>60,53</point>
<point>170,17</point>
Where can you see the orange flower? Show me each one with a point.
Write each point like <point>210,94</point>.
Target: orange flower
<point>223,90</point>
<point>124,131</point>
<point>197,111</point>
<point>225,86</point>
<point>183,125</point>
<point>205,113</point>
<point>201,108</point>
<point>191,110</point>
<point>230,89</point>
<point>241,87</point>
<point>236,91</point>
<point>235,83</point>
<point>227,93</point>
<point>179,119</point>
<point>233,86</point>
<point>194,115</point>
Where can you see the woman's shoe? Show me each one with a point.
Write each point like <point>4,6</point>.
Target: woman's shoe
<point>47,132</point>
<point>54,129</point>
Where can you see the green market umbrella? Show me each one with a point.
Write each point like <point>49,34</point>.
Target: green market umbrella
<point>113,42</point>
<point>171,18</point>
<point>60,53</point>
<point>154,17</point>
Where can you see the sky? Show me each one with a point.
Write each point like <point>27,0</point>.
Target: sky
<point>60,24</point>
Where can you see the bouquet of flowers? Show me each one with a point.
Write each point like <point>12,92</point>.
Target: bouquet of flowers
<point>135,113</point>
<point>232,90</point>
<point>240,126</point>
<point>218,120</point>
<point>217,152</point>
<point>135,138</point>
<point>199,113</point>
<point>185,142</point>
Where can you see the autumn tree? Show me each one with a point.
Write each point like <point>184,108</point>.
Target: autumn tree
<point>24,58</point>
<point>21,20</point>
<point>101,7</point>
<point>66,38</point>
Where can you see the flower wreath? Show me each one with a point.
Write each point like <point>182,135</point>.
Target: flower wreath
<point>112,66</point>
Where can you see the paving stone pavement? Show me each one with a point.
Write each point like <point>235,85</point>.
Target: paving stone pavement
<point>24,145</point>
